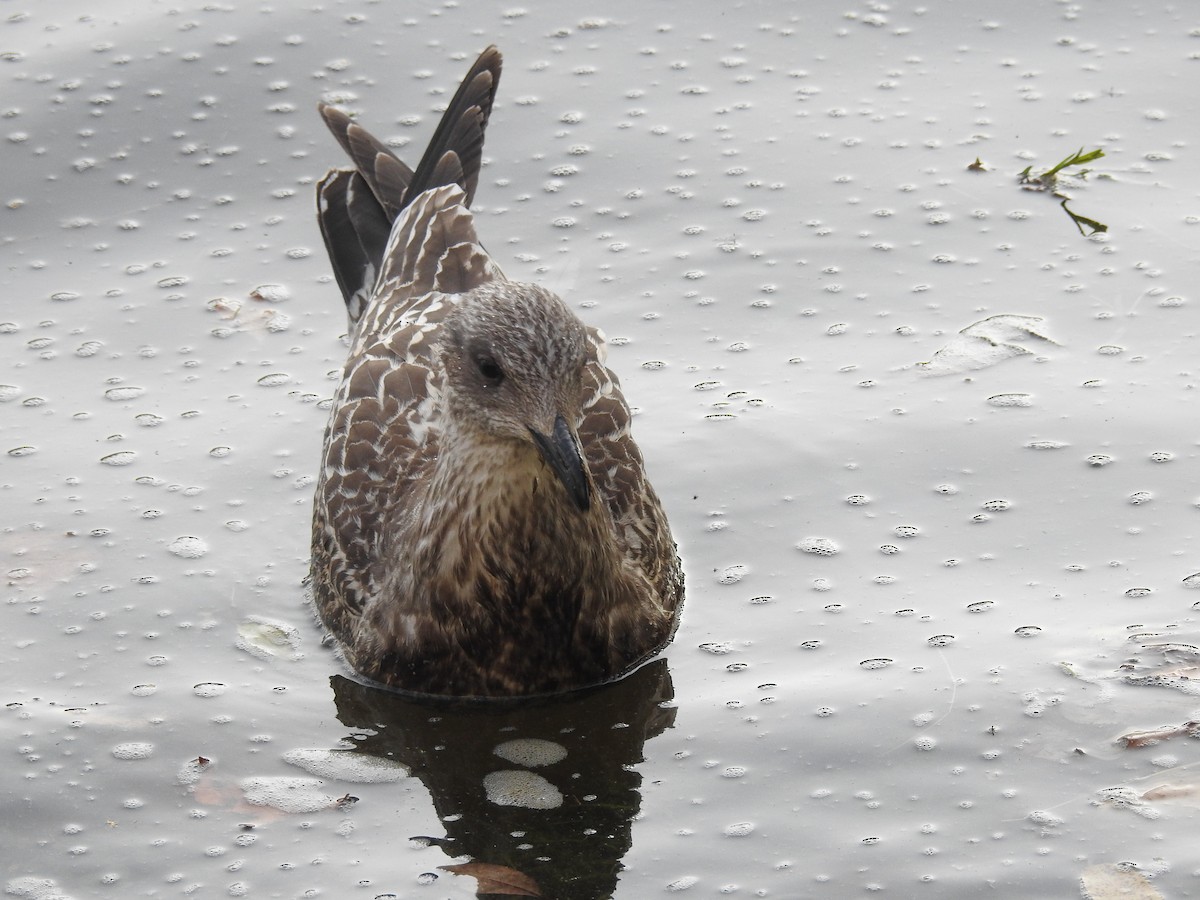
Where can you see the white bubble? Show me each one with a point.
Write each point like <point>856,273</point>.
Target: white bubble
<point>516,788</point>
<point>188,547</point>
<point>531,752</point>
<point>133,750</point>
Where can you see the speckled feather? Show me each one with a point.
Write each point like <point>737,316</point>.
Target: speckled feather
<point>449,555</point>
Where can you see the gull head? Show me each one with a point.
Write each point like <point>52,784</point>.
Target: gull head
<point>514,357</point>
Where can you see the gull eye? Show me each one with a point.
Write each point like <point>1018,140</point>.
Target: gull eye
<point>490,370</point>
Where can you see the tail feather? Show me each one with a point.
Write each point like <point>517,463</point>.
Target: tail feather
<point>356,209</point>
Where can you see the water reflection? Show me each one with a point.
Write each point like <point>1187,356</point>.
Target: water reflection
<point>545,787</point>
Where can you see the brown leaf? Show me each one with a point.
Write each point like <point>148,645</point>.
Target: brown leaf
<point>493,879</point>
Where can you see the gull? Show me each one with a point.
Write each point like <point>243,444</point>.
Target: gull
<point>483,525</point>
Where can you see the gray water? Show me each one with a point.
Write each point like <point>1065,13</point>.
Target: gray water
<point>930,453</point>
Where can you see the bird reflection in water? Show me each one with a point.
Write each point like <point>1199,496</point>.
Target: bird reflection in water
<point>546,788</point>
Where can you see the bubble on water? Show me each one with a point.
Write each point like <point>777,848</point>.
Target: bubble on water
<point>997,505</point>
<point>925,742</point>
<point>1046,445</point>
<point>8,392</point>
<point>739,829</point>
<point>1014,400</point>
<point>510,787</point>
<point>347,765</point>
<point>23,450</point>
<point>32,887</point>
<point>940,640</point>
<point>143,690</point>
<point>1099,459</point>
<point>1110,350</point>
<point>1027,631</point>
<point>148,420</point>
<point>732,575</point>
<point>220,452</point>
<point>810,644</point>
<point>188,547</point>
<point>687,881</point>
<point>172,281</point>
<point>126,392</point>
<point>208,689</point>
<point>133,750</point>
<point>426,878</point>
<point>1044,818</point>
<point>1192,581</point>
<point>88,349</point>
<point>906,531</point>
<point>1161,456</point>
<point>270,293</point>
<point>287,794</point>
<point>980,606</point>
<point>1139,592</point>
<point>190,771</point>
<point>532,753</point>
<point>858,500</point>
<point>947,489</point>
<point>267,640</point>
<point>818,545</point>
<point>120,458</point>
<point>274,379</point>
<point>1137,498</point>
<point>717,647</point>
<point>876,663</point>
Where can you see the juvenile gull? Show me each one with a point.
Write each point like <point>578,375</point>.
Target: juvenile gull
<point>483,525</point>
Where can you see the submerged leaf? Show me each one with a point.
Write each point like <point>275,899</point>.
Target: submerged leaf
<point>493,879</point>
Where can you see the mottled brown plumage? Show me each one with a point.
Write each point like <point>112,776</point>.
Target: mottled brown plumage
<point>483,525</point>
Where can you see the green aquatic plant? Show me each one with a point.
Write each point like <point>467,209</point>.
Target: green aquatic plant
<point>1048,181</point>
